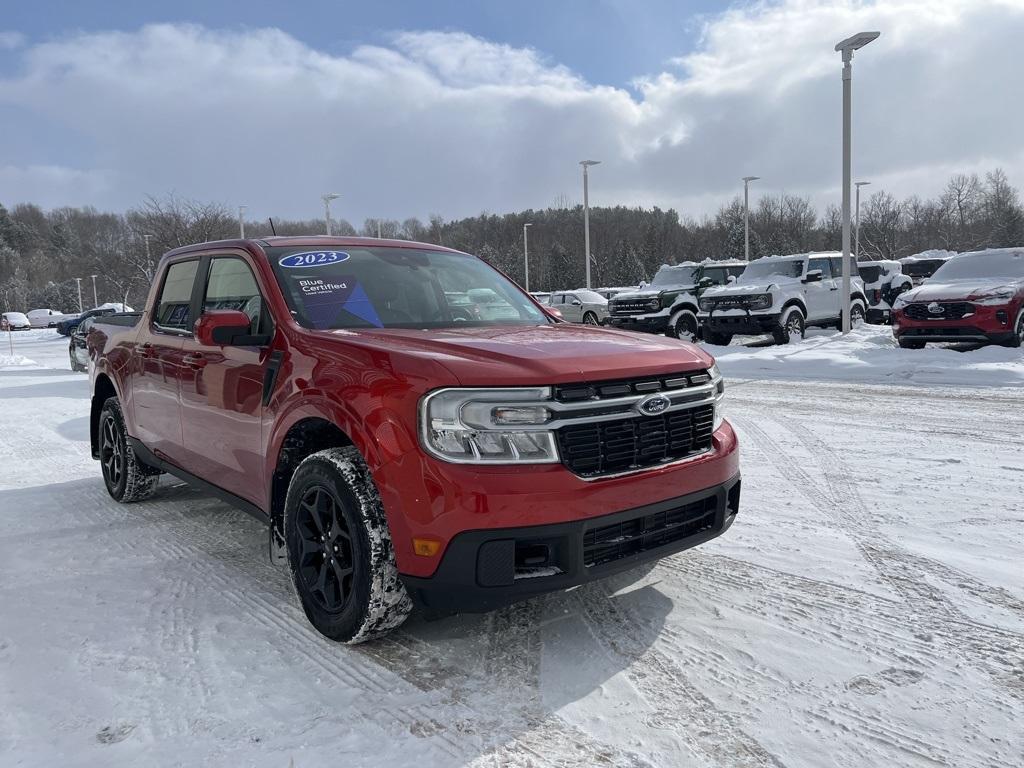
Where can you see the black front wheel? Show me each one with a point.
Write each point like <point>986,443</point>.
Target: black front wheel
<point>590,319</point>
<point>684,326</point>
<point>1017,339</point>
<point>126,476</point>
<point>790,324</point>
<point>339,549</point>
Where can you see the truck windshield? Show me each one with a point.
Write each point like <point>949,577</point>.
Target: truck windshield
<point>764,268</point>
<point>922,267</point>
<point>673,276</point>
<point>361,287</point>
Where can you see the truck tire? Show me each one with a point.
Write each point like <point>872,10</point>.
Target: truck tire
<point>791,322</point>
<point>857,313</point>
<point>683,326</point>
<point>1018,332</point>
<point>126,476</point>
<point>590,319</point>
<point>339,549</point>
<point>718,339</point>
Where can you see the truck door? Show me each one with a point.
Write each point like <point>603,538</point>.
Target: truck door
<point>821,297</point>
<point>222,387</point>
<point>158,353</point>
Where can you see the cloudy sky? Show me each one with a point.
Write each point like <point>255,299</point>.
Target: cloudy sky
<point>411,108</point>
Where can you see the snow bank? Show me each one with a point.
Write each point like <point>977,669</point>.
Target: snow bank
<point>870,355</point>
<point>14,361</point>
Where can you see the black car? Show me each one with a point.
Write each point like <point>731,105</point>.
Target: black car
<point>66,326</point>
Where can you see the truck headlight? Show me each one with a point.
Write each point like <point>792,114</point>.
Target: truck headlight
<point>488,426</point>
<point>654,304</point>
<point>719,382</point>
<point>706,305</point>
<point>900,302</point>
<point>761,301</point>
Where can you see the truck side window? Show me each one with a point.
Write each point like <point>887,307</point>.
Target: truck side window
<point>231,285</point>
<point>824,265</point>
<point>173,309</point>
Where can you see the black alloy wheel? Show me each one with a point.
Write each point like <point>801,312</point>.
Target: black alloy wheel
<point>112,457</point>
<point>325,549</point>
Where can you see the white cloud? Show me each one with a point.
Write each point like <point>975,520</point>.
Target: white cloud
<point>11,40</point>
<point>449,123</point>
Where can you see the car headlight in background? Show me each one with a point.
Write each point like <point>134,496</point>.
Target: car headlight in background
<point>486,426</point>
<point>760,301</point>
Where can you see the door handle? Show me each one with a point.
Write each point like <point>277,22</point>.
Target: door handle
<point>195,361</point>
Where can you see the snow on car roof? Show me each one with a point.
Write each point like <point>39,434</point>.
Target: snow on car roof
<point>793,256</point>
<point>929,255</point>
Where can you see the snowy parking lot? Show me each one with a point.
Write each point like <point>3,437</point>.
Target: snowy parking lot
<point>866,609</point>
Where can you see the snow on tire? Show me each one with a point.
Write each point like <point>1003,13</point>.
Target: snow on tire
<point>126,476</point>
<point>791,322</point>
<point>340,552</point>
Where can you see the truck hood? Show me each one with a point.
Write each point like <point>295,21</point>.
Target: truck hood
<point>969,288</point>
<point>652,293</point>
<point>747,289</point>
<point>536,355</point>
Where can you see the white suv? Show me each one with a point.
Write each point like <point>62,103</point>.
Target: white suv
<point>781,295</point>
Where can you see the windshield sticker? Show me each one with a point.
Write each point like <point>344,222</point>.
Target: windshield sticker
<point>323,298</point>
<point>313,259</point>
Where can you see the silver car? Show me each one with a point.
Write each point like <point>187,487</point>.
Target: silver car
<point>581,306</point>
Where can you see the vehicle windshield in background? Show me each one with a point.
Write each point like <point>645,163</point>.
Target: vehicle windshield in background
<point>1009,264</point>
<point>870,274</point>
<point>757,271</point>
<point>591,297</point>
<point>673,276</point>
<point>358,287</point>
<point>718,275</point>
<point>923,268</point>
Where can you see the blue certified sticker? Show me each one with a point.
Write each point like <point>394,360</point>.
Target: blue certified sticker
<point>313,259</point>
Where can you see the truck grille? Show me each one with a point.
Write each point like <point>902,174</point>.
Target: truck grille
<point>613,542</point>
<point>951,310</point>
<point>610,447</point>
<point>630,306</point>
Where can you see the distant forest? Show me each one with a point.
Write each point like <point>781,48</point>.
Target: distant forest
<point>41,252</point>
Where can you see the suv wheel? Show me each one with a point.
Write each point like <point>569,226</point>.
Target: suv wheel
<point>590,319</point>
<point>684,326</point>
<point>339,549</point>
<point>126,476</point>
<point>1018,336</point>
<point>790,324</point>
<point>856,313</point>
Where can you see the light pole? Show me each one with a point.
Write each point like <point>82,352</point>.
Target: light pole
<point>586,214</point>
<point>78,282</point>
<point>526,255</point>
<point>241,221</point>
<point>847,47</point>
<point>856,227</point>
<point>95,299</point>
<point>149,259</point>
<point>746,215</point>
<point>327,208</point>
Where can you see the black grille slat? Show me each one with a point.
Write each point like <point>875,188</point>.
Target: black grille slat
<point>608,543</point>
<point>607,447</point>
<point>951,310</point>
<point>601,390</point>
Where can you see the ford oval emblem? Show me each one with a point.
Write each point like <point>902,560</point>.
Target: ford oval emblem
<point>653,405</point>
<point>936,309</point>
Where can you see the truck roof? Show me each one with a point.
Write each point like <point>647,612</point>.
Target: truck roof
<point>313,241</point>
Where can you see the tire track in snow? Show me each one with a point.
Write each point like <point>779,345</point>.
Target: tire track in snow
<point>906,573</point>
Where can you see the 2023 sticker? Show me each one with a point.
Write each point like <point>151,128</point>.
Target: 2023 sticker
<point>312,259</point>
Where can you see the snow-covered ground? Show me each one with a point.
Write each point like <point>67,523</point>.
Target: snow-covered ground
<point>867,609</point>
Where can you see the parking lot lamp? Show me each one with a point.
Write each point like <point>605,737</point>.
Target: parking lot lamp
<point>78,282</point>
<point>586,215</point>
<point>856,226</point>
<point>526,255</point>
<point>241,221</point>
<point>95,300</point>
<point>327,208</point>
<point>846,48</point>
<point>746,215</point>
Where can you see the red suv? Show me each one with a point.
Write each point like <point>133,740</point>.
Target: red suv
<point>410,425</point>
<point>972,297</point>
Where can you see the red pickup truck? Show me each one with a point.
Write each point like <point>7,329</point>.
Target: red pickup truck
<point>412,426</point>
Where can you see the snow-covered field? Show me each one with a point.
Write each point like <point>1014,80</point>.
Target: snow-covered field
<point>867,609</point>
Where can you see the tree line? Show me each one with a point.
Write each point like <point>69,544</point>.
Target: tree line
<point>42,252</point>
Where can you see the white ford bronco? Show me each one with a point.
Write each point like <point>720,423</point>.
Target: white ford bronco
<point>781,296</point>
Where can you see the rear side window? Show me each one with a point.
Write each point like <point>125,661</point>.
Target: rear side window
<point>231,285</point>
<point>173,309</point>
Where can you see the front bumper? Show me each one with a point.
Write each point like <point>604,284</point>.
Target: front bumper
<point>750,323</point>
<point>878,315</point>
<point>486,569</point>
<point>656,323</point>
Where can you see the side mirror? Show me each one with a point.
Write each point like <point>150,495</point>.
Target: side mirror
<point>577,303</point>
<point>730,279</point>
<point>551,311</point>
<point>226,328</point>
<point>814,276</point>
<point>706,282</point>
